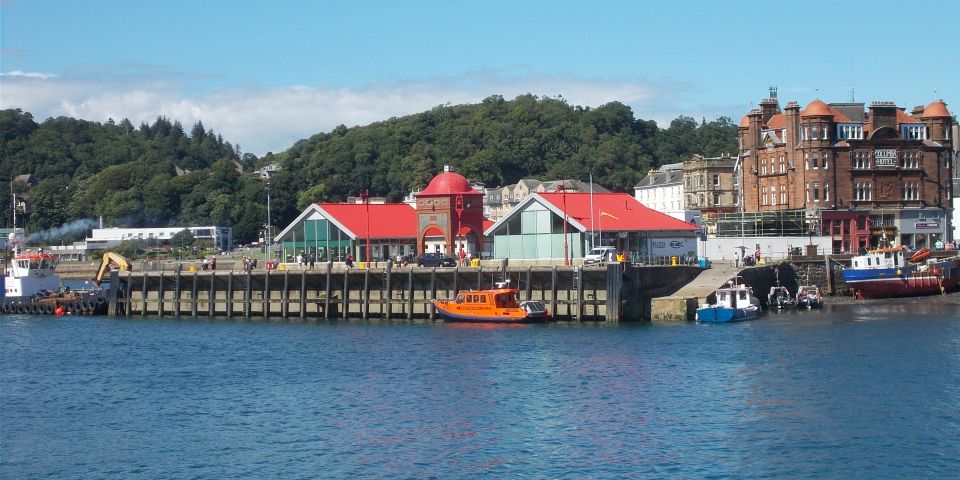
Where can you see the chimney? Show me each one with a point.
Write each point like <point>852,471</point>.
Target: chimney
<point>883,114</point>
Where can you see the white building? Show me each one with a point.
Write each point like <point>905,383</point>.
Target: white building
<point>662,190</point>
<point>101,238</point>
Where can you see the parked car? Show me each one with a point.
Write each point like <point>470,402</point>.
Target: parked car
<point>600,254</point>
<point>435,259</point>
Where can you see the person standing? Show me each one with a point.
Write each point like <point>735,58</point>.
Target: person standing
<point>736,259</point>
<point>349,261</point>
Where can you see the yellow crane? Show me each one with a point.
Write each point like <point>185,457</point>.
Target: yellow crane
<point>111,260</point>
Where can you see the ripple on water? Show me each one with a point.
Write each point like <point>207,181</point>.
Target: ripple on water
<point>852,388</point>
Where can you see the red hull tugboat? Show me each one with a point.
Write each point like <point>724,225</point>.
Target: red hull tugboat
<point>498,305</point>
<point>888,272</point>
<point>31,285</point>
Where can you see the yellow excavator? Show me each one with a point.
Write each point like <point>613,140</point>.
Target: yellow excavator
<point>112,260</point>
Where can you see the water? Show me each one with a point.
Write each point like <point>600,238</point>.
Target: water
<point>854,391</point>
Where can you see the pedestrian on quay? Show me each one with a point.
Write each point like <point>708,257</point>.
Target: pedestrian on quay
<point>312,260</point>
<point>213,263</point>
<point>349,261</point>
<point>736,259</point>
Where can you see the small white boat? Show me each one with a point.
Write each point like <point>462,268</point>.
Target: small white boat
<point>735,302</point>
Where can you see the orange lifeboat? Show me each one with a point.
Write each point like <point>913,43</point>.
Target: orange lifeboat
<point>497,305</point>
<point>920,255</point>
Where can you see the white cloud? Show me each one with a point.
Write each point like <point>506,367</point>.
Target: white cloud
<point>265,119</point>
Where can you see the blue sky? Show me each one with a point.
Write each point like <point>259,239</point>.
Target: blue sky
<point>266,74</point>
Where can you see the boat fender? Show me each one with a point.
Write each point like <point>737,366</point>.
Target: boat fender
<point>934,271</point>
<point>101,300</point>
<point>59,311</point>
<point>899,272</point>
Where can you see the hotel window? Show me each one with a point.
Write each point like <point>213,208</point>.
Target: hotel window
<point>816,191</point>
<point>763,167</point>
<point>911,191</point>
<point>716,180</point>
<point>783,194</point>
<point>826,192</point>
<point>783,165</point>
<point>826,160</point>
<point>763,200</point>
<point>736,198</point>
<point>716,198</point>
<point>824,133</point>
<point>806,161</point>
<point>816,133</point>
<point>816,160</point>
<point>862,191</point>
<point>860,160</point>
<point>911,160</point>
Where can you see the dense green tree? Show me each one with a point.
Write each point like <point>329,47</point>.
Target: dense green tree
<point>158,175</point>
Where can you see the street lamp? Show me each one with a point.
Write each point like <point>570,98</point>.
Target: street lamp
<point>266,234</point>
<point>365,198</point>
<point>563,192</point>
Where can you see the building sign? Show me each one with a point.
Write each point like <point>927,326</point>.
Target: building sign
<point>673,246</point>
<point>927,225</point>
<point>885,157</point>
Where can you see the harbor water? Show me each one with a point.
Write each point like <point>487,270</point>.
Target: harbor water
<point>865,390</point>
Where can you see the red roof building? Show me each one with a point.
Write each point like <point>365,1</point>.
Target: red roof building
<point>449,215</point>
<point>534,229</point>
<point>333,230</point>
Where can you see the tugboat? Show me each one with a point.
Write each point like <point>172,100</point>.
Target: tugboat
<point>735,302</point>
<point>498,305</point>
<point>888,272</point>
<point>31,285</point>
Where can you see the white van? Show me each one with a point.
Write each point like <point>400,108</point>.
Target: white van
<point>600,254</point>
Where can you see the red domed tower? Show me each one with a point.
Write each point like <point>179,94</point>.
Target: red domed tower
<point>451,208</point>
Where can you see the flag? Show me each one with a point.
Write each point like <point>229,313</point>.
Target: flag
<point>602,213</point>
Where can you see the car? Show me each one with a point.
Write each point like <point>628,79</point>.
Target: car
<point>435,259</point>
<point>600,254</point>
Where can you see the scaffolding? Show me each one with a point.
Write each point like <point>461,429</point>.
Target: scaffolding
<point>780,223</point>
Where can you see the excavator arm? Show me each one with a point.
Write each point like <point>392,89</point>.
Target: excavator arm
<point>111,259</point>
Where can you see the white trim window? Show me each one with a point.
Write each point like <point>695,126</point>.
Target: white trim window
<point>862,191</point>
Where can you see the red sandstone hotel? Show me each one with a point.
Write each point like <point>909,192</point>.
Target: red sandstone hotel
<point>865,175</point>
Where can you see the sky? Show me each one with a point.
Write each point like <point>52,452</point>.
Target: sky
<point>265,74</point>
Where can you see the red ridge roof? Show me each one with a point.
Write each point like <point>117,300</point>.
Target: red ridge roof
<point>615,211</point>
<point>387,220</point>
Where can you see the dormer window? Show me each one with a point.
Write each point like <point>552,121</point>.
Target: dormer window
<point>913,131</point>
<point>850,131</point>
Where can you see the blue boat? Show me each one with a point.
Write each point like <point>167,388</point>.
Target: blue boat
<point>735,302</point>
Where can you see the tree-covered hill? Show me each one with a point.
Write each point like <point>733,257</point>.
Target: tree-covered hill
<point>136,176</point>
<point>126,175</point>
<point>498,142</point>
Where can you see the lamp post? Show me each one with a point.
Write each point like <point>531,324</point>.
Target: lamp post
<point>365,197</point>
<point>266,232</point>
<point>566,256</point>
<point>591,208</point>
